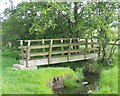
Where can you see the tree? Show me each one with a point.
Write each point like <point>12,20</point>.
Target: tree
<point>104,16</point>
<point>19,20</point>
<point>35,20</point>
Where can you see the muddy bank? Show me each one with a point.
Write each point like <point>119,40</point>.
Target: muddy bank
<point>56,83</point>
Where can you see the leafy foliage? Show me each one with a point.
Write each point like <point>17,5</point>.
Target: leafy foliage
<point>35,20</point>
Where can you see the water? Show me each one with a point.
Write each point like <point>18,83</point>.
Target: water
<point>83,89</point>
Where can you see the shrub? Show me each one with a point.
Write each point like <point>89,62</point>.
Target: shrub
<point>91,69</point>
<point>70,82</point>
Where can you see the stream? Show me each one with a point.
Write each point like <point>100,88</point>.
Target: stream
<point>88,85</point>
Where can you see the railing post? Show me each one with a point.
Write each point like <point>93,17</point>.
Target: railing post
<point>69,53</point>
<point>78,43</point>
<point>62,46</point>
<point>86,47</point>
<point>99,52</point>
<point>28,53</point>
<point>22,50</point>
<point>43,45</point>
<point>75,47</point>
<point>99,46</point>
<point>92,45</point>
<point>50,52</point>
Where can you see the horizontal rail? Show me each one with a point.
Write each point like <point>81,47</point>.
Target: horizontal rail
<point>93,49</point>
<point>38,47</point>
<point>114,44</point>
<point>50,39</point>
<point>60,52</point>
<point>53,39</point>
<point>38,54</point>
<point>56,45</point>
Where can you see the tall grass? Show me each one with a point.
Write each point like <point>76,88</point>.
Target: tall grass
<point>0,73</point>
<point>108,82</point>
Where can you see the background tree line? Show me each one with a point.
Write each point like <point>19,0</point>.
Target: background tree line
<point>36,20</point>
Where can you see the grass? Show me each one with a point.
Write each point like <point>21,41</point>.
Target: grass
<point>108,82</point>
<point>28,81</point>
<point>0,72</point>
<point>36,81</point>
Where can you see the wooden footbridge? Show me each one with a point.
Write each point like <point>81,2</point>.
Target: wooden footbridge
<point>53,51</point>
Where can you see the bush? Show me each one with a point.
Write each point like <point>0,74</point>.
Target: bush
<point>91,69</point>
<point>70,82</point>
<point>75,80</point>
<point>79,74</point>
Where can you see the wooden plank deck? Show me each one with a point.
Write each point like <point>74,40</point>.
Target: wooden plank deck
<point>55,60</point>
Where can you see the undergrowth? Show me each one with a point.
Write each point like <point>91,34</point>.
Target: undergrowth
<point>108,81</point>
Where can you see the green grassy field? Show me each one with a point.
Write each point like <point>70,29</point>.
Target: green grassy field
<point>28,81</point>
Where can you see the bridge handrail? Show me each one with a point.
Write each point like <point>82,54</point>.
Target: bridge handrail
<point>72,47</point>
<point>55,39</point>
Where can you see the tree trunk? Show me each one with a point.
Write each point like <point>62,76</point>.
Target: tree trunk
<point>69,28</point>
<point>75,17</point>
<point>113,49</point>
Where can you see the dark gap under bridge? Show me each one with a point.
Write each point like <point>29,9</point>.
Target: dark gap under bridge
<point>53,51</point>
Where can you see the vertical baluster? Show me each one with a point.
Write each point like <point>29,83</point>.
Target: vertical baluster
<point>86,48</point>
<point>100,48</point>
<point>78,45</point>
<point>92,45</point>
<point>28,54</point>
<point>62,46</point>
<point>43,45</point>
<point>69,50</point>
<point>75,41</point>
<point>22,50</point>
<point>50,52</point>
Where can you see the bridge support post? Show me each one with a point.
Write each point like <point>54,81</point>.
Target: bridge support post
<point>86,47</point>
<point>28,54</point>
<point>78,45</point>
<point>43,48</point>
<point>92,45</point>
<point>62,46</point>
<point>69,53</point>
<point>22,50</point>
<point>99,52</point>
